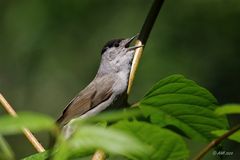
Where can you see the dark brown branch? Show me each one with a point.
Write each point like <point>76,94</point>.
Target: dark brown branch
<point>215,142</point>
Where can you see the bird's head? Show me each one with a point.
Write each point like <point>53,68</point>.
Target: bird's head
<point>117,54</point>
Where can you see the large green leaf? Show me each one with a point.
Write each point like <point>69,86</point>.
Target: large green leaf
<point>89,138</point>
<point>32,121</point>
<point>180,102</point>
<point>228,109</point>
<point>165,144</point>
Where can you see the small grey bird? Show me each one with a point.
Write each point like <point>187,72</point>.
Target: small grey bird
<point>107,88</point>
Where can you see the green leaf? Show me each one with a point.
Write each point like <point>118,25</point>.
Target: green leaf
<point>89,138</point>
<point>112,116</point>
<point>165,144</point>
<point>32,121</point>
<point>5,150</point>
<point>228,109</point>
<point>62,150</point>
<point>180,102</point>
<point>235,136</point>
<point>38,156</point>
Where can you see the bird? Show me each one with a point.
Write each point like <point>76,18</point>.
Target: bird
<point>108,88</point>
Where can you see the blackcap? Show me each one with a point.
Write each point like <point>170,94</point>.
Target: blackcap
<point>106,89</point>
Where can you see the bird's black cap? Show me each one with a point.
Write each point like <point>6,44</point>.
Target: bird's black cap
<point>111,43</point>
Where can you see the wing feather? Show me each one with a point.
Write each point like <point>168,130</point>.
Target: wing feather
<point>95,93</point>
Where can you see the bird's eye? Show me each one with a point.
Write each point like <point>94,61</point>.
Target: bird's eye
<point>116,44</point>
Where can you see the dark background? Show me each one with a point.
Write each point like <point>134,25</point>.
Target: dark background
<point>49,50</point>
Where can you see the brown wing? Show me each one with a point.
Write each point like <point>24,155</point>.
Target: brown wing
<point>96,92</point>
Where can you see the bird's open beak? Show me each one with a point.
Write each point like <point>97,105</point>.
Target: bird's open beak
<point>134,47</point>
<point>130,40</point>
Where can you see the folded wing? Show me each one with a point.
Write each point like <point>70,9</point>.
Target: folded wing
<point>95,93</point>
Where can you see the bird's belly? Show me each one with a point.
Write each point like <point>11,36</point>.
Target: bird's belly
<point>121,83</point>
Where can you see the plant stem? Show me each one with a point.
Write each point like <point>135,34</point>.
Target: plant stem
<point>150,20</point>
<point>135,62</point>
<point>99,155</point>
<point>143,37</point>
<point>215,142</point>
<point>26,131</point>
<point>6,150</point>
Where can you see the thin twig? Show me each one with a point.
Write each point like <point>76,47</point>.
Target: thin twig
<point>26,131</point>
<point>215,142</point>
<point>99,155</point>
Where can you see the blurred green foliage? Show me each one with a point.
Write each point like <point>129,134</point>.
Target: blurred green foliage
<point>49,50</point>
